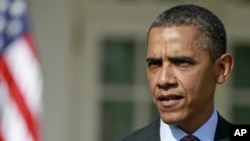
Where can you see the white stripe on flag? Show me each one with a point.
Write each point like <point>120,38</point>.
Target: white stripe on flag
<point>26,72</point>
<point>12,121</point>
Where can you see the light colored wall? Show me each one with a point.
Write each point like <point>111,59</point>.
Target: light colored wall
<point>51,26</point>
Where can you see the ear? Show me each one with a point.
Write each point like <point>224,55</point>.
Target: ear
<point>225,65</point>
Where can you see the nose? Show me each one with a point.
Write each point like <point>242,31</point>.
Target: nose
<point>166,78</point>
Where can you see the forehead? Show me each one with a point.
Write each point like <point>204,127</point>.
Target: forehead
<point>177,40</point>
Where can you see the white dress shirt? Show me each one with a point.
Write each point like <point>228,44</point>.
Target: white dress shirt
<point>205,133</point>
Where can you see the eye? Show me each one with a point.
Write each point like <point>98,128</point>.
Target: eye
<point>153,63</point>
<point>182,62</point>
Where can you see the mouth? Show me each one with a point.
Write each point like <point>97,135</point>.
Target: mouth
<point>169,100</point>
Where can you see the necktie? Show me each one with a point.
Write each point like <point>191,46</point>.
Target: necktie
<point>190,138</point>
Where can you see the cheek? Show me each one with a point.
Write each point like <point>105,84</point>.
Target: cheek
<point>197,85</point>
<point>191,83</point>
<point>152,82</point>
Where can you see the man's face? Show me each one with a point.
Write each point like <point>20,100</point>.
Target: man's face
<point>181,76</point>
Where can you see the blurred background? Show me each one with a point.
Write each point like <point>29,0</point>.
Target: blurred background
<point>93,59</point>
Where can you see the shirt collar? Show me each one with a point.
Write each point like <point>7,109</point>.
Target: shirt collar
<point>205,133</point>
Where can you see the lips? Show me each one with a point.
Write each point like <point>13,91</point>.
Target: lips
<point>169,100</point>
<point>169,97</point>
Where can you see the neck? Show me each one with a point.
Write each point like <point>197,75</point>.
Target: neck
<point>194,123</point>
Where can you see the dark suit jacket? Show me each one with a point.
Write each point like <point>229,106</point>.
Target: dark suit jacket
<point>152,132</point>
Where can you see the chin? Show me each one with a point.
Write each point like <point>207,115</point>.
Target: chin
<point>172,118</point>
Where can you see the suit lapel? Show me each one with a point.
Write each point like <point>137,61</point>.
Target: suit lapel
<point>152,133</point>
<point>222,132</point>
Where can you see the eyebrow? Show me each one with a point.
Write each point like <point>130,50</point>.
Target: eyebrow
<point>153,59</point>
<point>172,59</point>
<point>180,58</point>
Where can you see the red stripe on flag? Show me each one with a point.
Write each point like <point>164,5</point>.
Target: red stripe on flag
<point>1,135</point>
<point>17,97</point>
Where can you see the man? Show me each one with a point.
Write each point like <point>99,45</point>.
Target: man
<point>186,59</point>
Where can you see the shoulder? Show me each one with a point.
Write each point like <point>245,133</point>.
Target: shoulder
<point>223,124</point>
<point>149,133</point>
<point>222,129</point>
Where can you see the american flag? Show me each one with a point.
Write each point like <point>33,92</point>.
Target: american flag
<point>20,75</point>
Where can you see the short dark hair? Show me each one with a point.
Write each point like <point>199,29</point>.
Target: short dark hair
<point>211,30</point>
